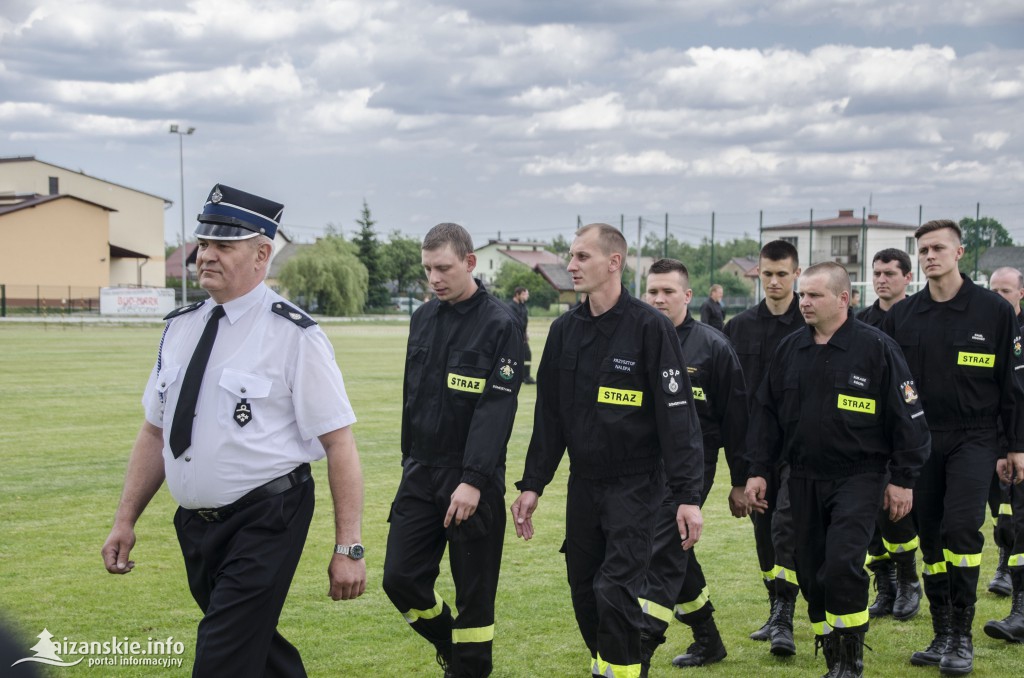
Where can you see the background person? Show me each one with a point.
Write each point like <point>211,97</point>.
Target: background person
<point>245,394</point>
<point>711,311</point>
<point>518,306</point>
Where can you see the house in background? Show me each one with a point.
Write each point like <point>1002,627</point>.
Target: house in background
<point>743,269</point>
<point>132,243</point>
<point>847,240</point>
<point>997,257</point>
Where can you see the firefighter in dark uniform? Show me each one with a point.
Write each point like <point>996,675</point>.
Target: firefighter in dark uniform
<point>462,374</point>
<point>1009,530</point>
<point>838,402</point>
<point>755,333</point>
<point>963,347</point>
<point>892,556</point>
<point>518,306</point>
<point>1009,284</point>
<point>675,578</point>
<point>613,389</point>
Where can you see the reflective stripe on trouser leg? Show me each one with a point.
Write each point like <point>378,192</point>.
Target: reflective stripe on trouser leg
<point>606,670</point>
<point>659,612</point>
<point>785,574</point>
<point>870,560</point>
<point>932,569</point>
<point>962,559</point>
<point>412,616</point>
<point>911,545</point>
<point>821,628</point>
<point>1005,510</point>
<point>693,605</point>
<point>481,634</point>
<point>846,621</point>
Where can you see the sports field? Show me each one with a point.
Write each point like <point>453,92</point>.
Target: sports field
<point>69,411</point>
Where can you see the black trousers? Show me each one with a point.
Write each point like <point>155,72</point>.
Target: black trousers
<point>608,533</point>
<point>675,581</point>
<point>774,536</point>
<point>998,499</point>
<point>239,572</point>
<point>891,538</point>
<point>949,502</point>
<point>834,520</point>
<point>416,544</point>
<point>1017,547</point>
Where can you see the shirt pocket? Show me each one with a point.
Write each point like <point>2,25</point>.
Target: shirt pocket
<point>620,384</point>
<point>167,378</point>
<point>974,355</point>
<point>467,373</point>
<point>242,398</point>
<point>789,409</point>
<point>855,400</point>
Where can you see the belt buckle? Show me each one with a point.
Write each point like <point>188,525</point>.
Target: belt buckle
<point>209,515</point>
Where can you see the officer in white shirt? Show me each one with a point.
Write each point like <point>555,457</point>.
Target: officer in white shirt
<point>245,394</point>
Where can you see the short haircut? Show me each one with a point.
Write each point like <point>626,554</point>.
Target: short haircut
<point>777,250</point>
<point>609,238</point>
<point>715,288</point>
<point>1009,270</point>
<point>938,224</point>
<point>891,254</point>
<point>838,278</point>
<point>449,234</point>
<point>670,266</point>
<point>519,290</point>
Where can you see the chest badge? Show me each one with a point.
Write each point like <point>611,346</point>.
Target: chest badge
<point>243,413</point>
<point>669,381</point>
<point>909,394</point>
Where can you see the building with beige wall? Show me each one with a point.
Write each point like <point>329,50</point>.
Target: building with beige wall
<point>135,232</point>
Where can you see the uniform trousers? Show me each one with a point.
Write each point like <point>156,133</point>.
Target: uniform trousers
<point>998,503</point>
<point>609,526</point>
<point>416,543</point>
<point>239,572</point>
<point>1016,548</point>
<point>899,536</point>
<point>834,520</point>
<point>774,536</point>
<point>674,577</point>
<point>949,502</point>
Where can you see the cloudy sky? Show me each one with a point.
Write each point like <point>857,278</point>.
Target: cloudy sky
<point>517,116</point>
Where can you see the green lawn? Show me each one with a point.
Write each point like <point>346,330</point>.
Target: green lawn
<point>69,411</point>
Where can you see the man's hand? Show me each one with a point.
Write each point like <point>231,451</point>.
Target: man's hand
<point>464,501</point>
<point>117,549</point>
<point>898,500</point>
<point>738,504</point>
<point>522,513</point>
<point>347,577</point>
<point>690,523</point>
<point>757,488</point>
<point>1015,460</point>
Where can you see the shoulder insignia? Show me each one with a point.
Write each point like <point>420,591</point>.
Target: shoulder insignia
<point>291,313</point>
<point>184,309</point>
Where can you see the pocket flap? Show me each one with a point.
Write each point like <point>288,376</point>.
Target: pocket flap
<point>244,385</point>
<point>168,375</point>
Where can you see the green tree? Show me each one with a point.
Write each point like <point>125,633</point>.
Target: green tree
<point>369,253</point>
<point>512,275</point>
<point>401,262</point>
<point>978,236</point>
<point>327,277</point>
<point>559,245</point>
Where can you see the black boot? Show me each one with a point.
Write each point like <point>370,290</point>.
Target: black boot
<point>1010,629</point>
<point>908,588</point>
<point>829,648</point>
<point>850,662</point>
<point>885,585</point>
<point>707,647</point>
<point>1000,584</point>
<point>942,627</point>
<point>781,631</point>
<point>763,633</point>
<point>958,659</point>
<point>648,645</point>
<point>527,379</point>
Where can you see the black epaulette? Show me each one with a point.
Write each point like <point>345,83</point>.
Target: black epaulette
<point>184,309</point>
<point>291,313</point>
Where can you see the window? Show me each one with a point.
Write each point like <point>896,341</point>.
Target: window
<point>845,245</point>
<point>54,186</point>
<point>911,247</point>
<point>791,239</point>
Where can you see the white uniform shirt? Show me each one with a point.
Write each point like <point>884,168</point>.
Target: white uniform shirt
<point>286,374</point>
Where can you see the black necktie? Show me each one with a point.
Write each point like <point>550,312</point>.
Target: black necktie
<point>184,412</point>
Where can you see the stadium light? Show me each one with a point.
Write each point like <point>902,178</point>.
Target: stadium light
<point>184,244</point>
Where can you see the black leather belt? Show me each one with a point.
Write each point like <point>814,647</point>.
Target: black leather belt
<point>275,487</point>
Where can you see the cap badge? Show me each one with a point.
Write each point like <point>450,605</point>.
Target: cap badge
<point>216,196</point>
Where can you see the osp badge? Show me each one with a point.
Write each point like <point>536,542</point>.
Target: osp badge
<point>1016,346</point>
<point>908,391</point>
<point>670,381</point>
<point>507,371</point>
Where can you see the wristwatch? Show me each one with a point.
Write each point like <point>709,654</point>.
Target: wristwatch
<point>355,551</point>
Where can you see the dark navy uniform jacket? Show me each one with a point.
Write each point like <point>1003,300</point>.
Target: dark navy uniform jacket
<point>614,391</point>
<point>462,376</point>
<point>718,392</point>
<point>755,333</point>
<point>832,410</point>
<point>965,355</point>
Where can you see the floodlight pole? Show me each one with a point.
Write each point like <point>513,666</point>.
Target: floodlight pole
<point>181,172</point>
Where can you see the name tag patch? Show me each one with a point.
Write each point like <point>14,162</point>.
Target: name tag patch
<point>698,393</point>
<point>618,396</point>
<point>624,365</point>
<point>459,382</point>
<point>976,359</point>
<point>858,381</point>
<point>865,405</point>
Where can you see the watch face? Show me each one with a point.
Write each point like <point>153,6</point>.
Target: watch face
<point>355,551</point>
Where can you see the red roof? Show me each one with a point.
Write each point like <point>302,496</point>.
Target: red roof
<point>846,219</point>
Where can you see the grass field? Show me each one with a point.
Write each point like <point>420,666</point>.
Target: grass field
<point>69,411</point>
